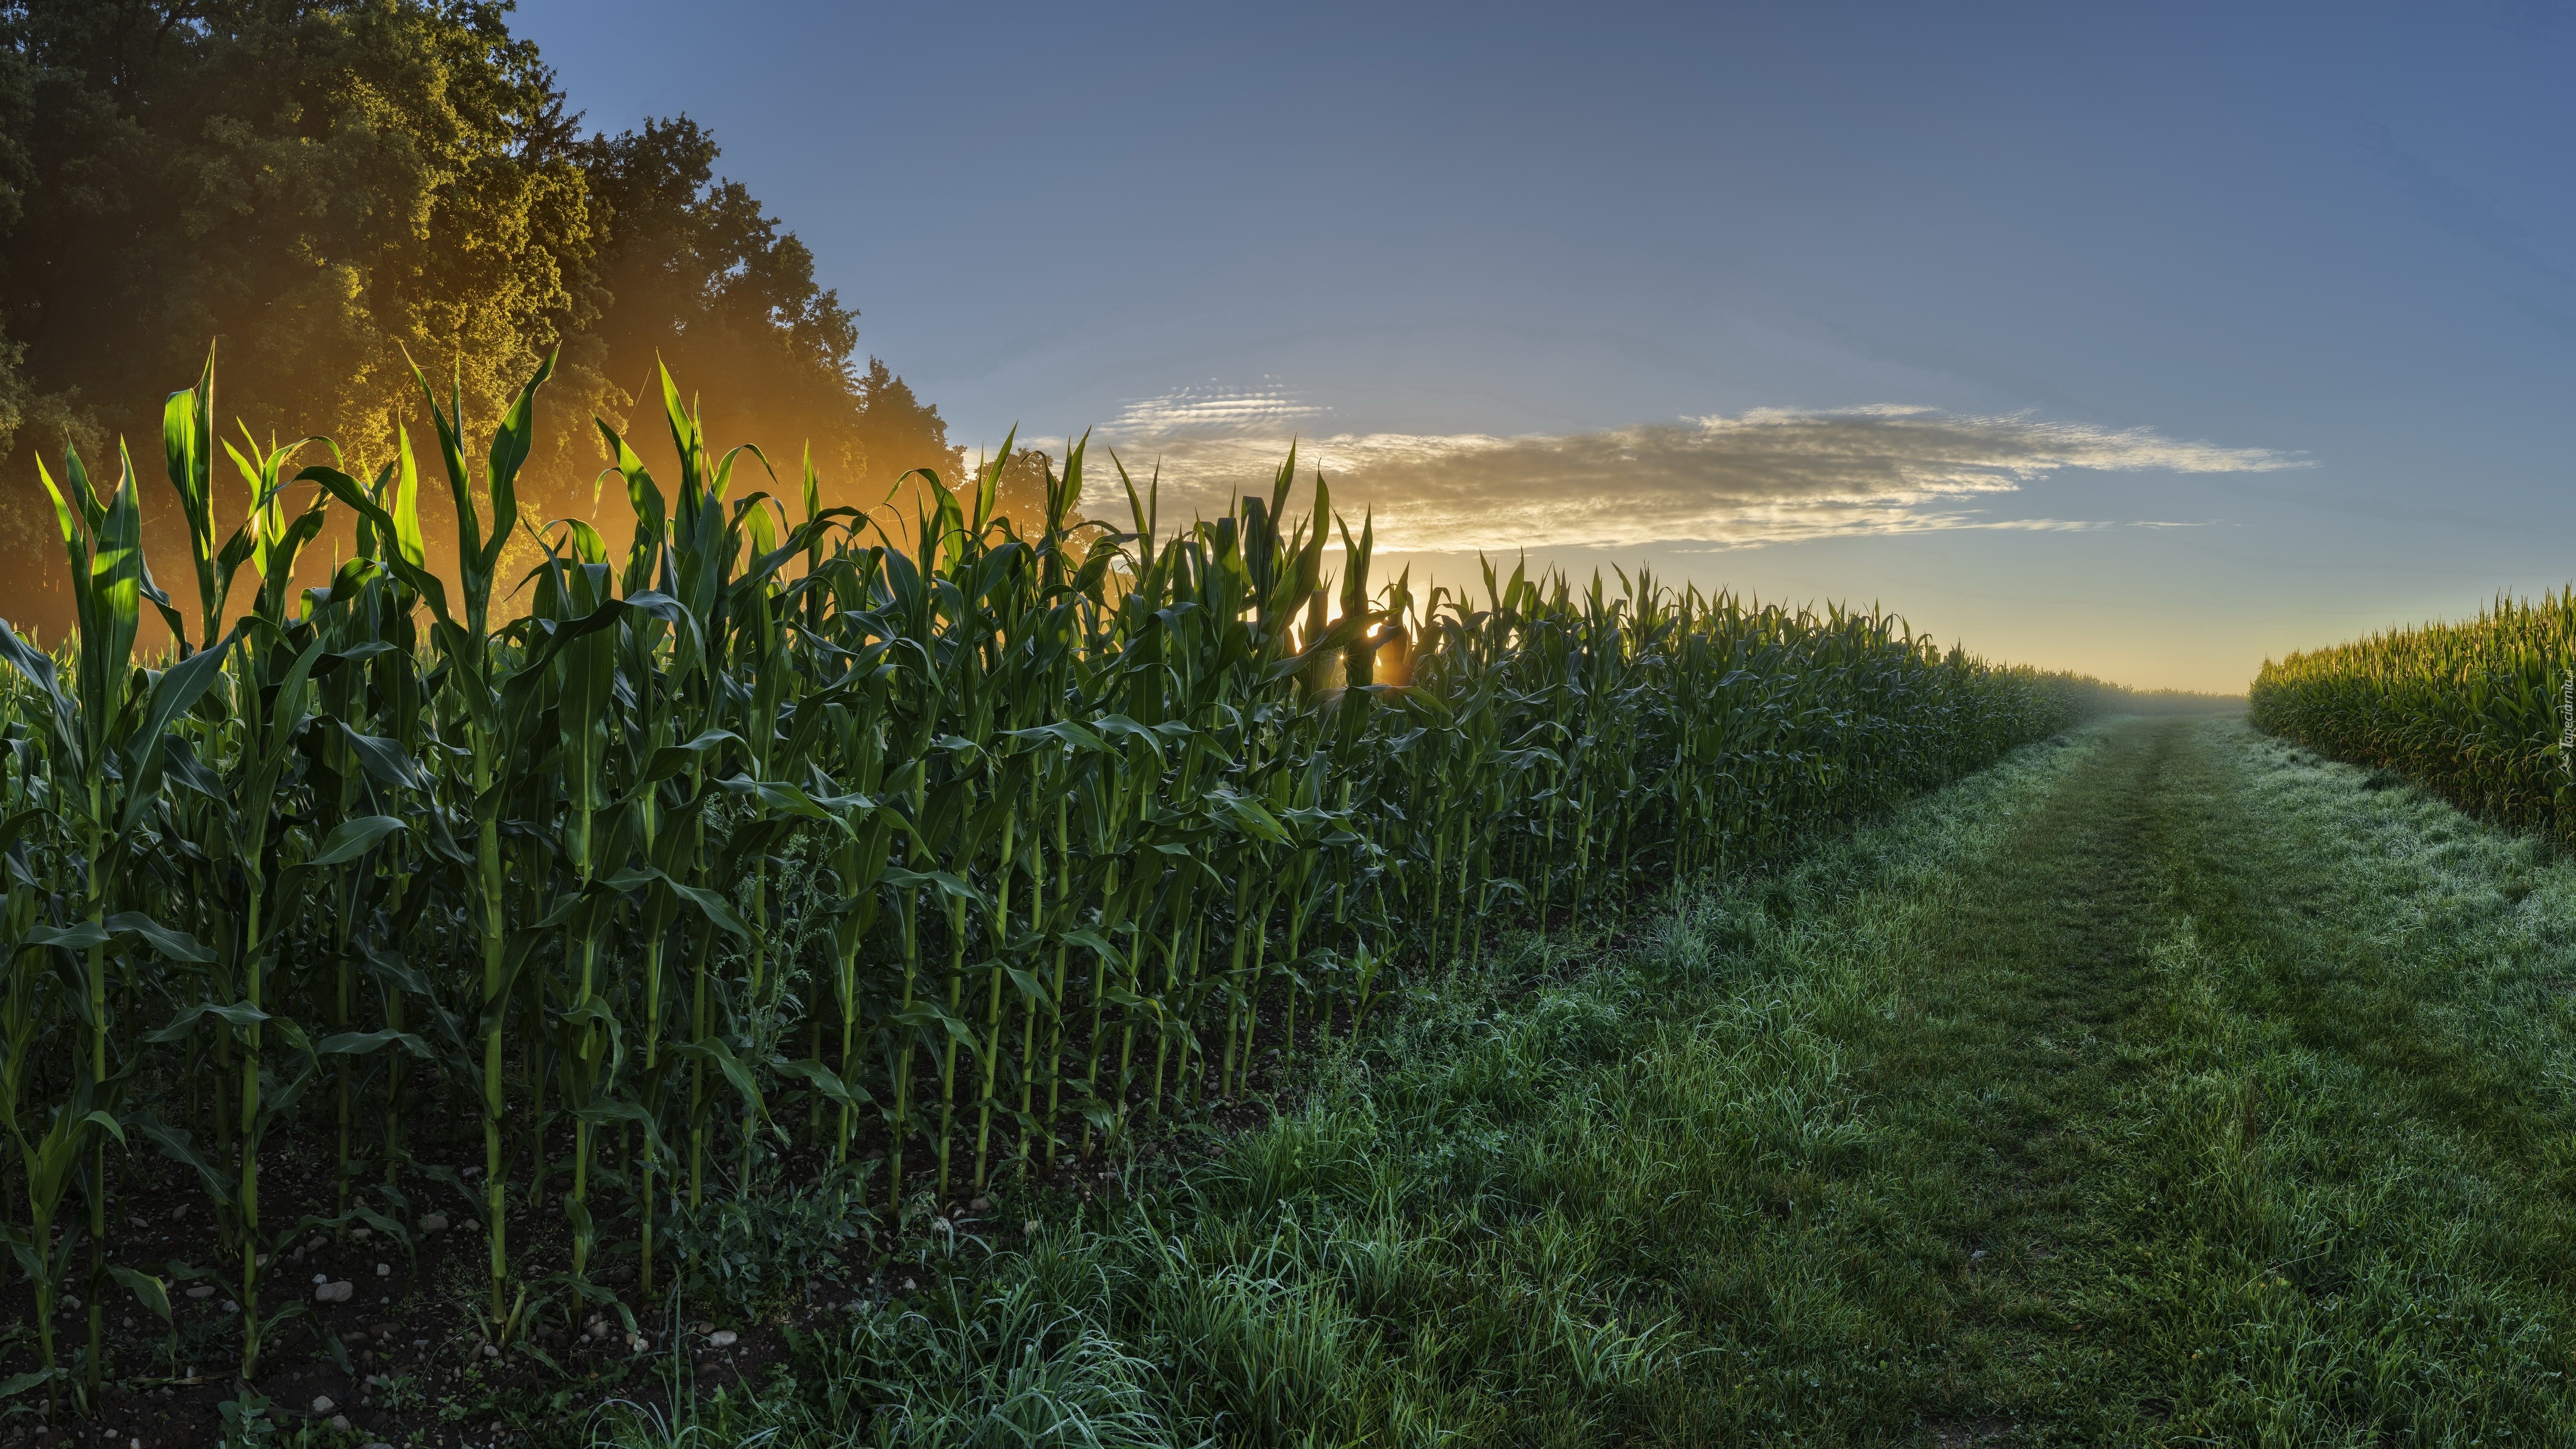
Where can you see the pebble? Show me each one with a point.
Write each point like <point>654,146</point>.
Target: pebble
<point>433,1222</point>
<point>71,1303</point>
<point>322,1404</point>
<point>376,1444</point>
<point>340,1422</point>
<point>231,1307</point>
<point>980,1205</point>
<point>361,1234</point>
<point>491,1350</point>
<point>178,1212</point>
<point>202,1291</point>
<point>321,1277</point>
<point>384,1270</point>
<point>721,1338</point>
<point>334,1292</point>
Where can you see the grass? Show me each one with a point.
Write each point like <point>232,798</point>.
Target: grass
<point>2168,1085</point>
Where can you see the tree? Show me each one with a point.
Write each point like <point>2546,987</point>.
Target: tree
<point>319,185</point>
<point>695,275</point>
<point>311,183</point>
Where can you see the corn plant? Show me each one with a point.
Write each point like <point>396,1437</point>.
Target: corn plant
<point>943,847</point>
<point>2481,711</point>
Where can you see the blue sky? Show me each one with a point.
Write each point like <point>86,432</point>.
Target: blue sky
<point>2142,340</point>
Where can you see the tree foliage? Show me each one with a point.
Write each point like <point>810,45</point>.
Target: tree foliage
<point>701,279</point>
<point>318,185</point>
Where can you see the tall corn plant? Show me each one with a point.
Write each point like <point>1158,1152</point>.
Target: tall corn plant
<point>2482,711</point>
<point>104,740</point>
<point>944,847</point>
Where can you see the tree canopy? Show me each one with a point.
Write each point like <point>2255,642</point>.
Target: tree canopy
<point>318,185</point>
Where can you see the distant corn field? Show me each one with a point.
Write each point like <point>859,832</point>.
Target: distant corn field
<point>2478,711</point>
<point>769,847</point>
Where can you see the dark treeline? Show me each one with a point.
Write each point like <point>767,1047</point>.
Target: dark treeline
<point>314,185</point>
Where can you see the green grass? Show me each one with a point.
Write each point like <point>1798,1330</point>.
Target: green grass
<point>2168,1086</point>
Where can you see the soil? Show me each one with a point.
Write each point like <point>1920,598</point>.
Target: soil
<point>407,1360</point>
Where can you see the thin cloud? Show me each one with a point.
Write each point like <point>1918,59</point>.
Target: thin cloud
<point>1768,476</point>
<point>1829,525</point>
<point>1213,410</point>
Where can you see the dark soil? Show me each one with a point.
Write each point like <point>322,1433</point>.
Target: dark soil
<point>408,1359</point>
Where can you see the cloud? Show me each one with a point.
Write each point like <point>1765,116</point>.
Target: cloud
<point>1213,409</point>
<point>1768,476</point>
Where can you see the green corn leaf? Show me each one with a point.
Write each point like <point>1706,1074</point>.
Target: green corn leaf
<point>82,935</point>
<point>614,1112</point>
<point>714,1050</point>
<point>173,945</point>
<point>711,905</point>
<point>237,1014</point>
<point>354,838</point>
<point>176,1145</point>
<point>361,1043</point>
<point>148,1290</point>
<point>937,880</point>
<point>825,1080</point>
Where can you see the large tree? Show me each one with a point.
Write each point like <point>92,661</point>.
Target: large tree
<point>316,185</point>
<point>698,278</point>
<point>311,183</point>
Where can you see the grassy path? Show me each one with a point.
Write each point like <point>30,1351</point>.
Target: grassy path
<point>2241,1085</point>
<point>2166,1086</point>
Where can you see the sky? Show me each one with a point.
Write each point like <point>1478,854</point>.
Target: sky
<point>2150,341</point>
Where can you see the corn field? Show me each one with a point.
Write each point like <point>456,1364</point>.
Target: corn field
<point>2480,712</point>
<point>787,841</point>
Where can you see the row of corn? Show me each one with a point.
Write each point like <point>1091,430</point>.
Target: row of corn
<point>783,840</point>
<point>2483,712</point>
